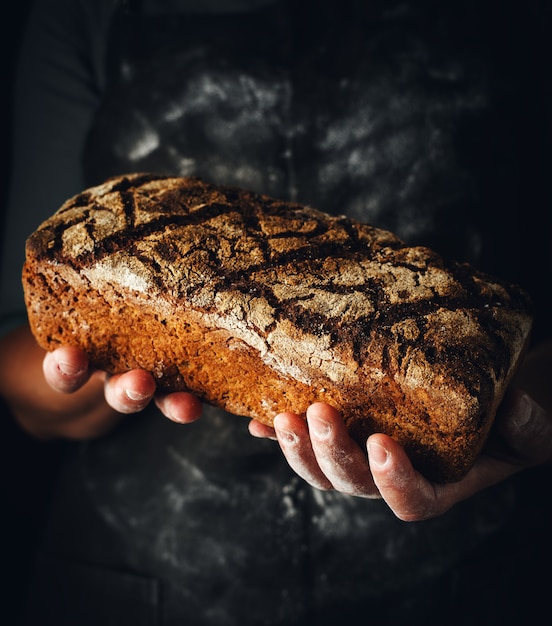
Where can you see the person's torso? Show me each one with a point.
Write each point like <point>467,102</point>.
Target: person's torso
<point>353,108</point>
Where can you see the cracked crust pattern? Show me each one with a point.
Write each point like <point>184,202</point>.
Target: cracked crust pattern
<point>260,306</point>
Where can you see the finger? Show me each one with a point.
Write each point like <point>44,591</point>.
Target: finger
<point>407,493</point>
<point>129,392</point>
<point>66,369</point>
<point>341,460</point>
<point>182,407</point>
<point>414,498</point>
<point>526,429</point>
<point>293,437</point>
<point>257,429</point>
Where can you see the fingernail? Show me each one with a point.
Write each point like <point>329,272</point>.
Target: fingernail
<point>287,435</point>
<point>377,453</point>
<point>69,369</point>
<point>135,396</point>
<point>320,428</point>
<point>174,418</point>
<point>523,414</point>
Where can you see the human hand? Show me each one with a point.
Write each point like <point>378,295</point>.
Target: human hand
<point>57,394</point>
<point>320,450</point>
<point>66,370</point>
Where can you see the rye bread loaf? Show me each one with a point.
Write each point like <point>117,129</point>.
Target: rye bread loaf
<point>261,306</point>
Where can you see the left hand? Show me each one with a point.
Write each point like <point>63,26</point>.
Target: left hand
<point>58,395</point>
<point>320,450</point>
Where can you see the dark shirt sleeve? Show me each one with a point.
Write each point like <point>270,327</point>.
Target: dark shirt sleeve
<point>58,88</point>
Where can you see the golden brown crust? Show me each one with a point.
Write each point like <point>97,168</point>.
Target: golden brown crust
<point>261,306</point>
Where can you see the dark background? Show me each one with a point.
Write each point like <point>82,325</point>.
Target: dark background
<point>12,28</point>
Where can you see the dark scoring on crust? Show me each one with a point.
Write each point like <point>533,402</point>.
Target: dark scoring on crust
<point>180,208</point>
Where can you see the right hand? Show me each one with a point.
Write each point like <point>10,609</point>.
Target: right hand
<point>318,447</point>
<point>57,394</point>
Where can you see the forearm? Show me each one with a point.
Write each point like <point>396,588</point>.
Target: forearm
<point>39,409</point>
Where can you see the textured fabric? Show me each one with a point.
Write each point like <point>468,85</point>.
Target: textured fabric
<point>235,537</point>
<point>364,111</point>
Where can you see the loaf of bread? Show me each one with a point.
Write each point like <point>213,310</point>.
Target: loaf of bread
<point>261,306</point>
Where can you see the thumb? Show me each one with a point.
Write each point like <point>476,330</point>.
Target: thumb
<point>525,431</point>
